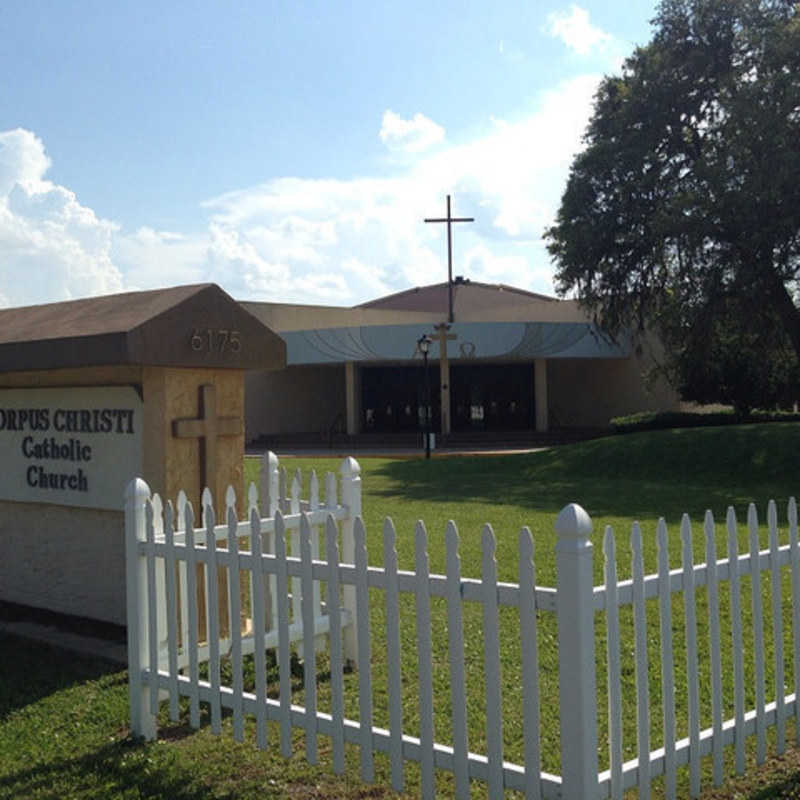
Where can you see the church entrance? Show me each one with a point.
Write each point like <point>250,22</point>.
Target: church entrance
<point>393,398</point>
<point>492,397</point>
<point>483,397</point>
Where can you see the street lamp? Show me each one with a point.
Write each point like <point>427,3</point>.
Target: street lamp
<point>424,345</point>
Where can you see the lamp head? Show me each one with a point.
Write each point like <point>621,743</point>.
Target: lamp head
<point>424,344</point>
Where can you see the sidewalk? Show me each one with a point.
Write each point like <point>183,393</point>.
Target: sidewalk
<point>393,452</point>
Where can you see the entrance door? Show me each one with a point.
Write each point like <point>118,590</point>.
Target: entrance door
<point>393,398</point>
<point>492,397</point>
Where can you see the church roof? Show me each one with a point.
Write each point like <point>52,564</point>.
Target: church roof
<point>467,296</point>
<point>491,321</point>
<point>177,326</point>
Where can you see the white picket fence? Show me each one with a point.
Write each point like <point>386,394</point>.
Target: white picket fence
<point>274,599</point>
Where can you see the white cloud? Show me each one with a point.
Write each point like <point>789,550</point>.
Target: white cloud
<point>369,234</point>
<point>373,280</point>
<point>149,258</point>
<point>409,135</point>
<point>23,161</point>
<point>330,241</point>
<point>576,31</point>
<point>51,247</point>
<point>510,269</point>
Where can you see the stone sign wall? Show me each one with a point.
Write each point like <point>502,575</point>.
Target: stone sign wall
<point>97,391</point>
<point>70,446</point>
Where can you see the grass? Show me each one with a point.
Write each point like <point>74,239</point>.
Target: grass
<point>63,720</point>
<point>63,734</point>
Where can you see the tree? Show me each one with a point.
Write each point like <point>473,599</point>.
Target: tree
<point>685,202</point>
<point>737,353</point>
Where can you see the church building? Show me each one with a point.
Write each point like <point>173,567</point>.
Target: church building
<point>500,359</point>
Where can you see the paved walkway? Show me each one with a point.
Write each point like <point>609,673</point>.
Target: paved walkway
<point>395,452</point>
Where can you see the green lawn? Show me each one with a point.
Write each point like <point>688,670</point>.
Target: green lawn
<point>68,738</point>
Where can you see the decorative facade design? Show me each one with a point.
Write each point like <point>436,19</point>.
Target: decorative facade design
<point>511,360</point>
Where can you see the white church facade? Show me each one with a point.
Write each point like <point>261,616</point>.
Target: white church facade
<point>510,360</point>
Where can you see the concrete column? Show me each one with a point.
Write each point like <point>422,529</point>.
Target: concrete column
<point>441,334</point>
<point>444,380</point>
<point>540,394</point>
<point>352,397</point>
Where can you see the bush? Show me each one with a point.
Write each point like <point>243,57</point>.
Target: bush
<point>660,420</point>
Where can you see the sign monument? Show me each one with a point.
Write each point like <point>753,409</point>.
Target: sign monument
<point>96,392</point>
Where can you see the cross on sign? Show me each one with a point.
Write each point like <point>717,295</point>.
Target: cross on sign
<point>207,427</point>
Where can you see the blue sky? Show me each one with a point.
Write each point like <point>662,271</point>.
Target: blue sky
<point>289,151</point>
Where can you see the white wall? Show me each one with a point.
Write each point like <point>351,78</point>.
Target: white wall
<point>63,558</point>
<point>298,399</point>
<point>586,392</point>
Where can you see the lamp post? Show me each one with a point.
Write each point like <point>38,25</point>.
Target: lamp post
<point>424,345</point>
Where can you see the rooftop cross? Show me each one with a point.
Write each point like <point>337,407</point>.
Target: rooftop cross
<point>450,220</point>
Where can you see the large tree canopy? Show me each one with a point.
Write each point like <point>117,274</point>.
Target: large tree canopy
<point>685,203</point>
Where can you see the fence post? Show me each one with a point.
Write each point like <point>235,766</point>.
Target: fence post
<point>270,503</point>
<point>576,664</point>
<point>143,723</point>
<point>269,484</point>
<point>351,497</point>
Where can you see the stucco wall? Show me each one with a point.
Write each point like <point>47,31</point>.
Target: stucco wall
<point>72,560</point>
<point>172,464</point>
<point>65,559</point>
<point>301,399</point>
<point>586,392</point>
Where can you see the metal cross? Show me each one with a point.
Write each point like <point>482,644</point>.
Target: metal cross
<point>450,220</point>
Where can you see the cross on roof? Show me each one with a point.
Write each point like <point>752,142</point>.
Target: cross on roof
<point>449,220</point>
<point>207,427</point>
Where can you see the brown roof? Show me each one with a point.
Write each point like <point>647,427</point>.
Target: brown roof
<point>467,296</point>
<point>89,316</point>
<point>153,327</point>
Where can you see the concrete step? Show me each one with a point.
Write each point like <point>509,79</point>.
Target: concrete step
<point>461,440</point>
